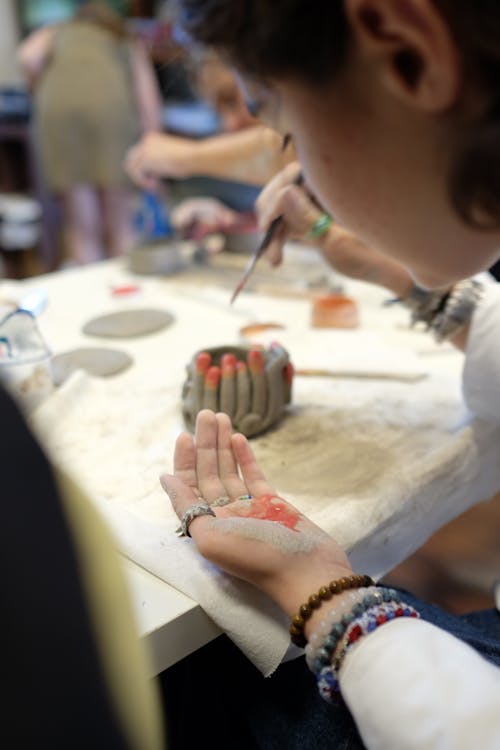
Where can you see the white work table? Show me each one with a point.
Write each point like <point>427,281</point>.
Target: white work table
<point>173,623</point>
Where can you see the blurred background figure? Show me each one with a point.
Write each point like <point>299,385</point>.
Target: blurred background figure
<point>217,83</point>
<point>95,93</point>
<point>213,181</point>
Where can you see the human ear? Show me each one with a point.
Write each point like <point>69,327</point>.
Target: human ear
<point>413,48</point>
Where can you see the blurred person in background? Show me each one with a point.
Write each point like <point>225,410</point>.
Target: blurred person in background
<point>95,93</point>
<point>239,160</point>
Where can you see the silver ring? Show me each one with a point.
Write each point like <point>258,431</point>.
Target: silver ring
<point>221,501</point>
<point>198,509</point>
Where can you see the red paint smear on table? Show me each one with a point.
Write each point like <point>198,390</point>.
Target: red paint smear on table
<point>124,290</point>
<point>270,508</point>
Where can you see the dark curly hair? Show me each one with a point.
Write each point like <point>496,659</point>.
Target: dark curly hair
<point>307,39</point>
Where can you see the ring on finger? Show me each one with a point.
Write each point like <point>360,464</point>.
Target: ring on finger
<point>198,509</point>
<point>320,226</point>
<point>221,501</point>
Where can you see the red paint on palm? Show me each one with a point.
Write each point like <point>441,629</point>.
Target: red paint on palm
<point>270,508</point>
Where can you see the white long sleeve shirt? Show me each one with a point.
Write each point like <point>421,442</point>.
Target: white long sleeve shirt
<point>410,685</point>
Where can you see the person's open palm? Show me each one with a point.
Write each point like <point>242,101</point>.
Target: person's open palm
<point>255,535</point>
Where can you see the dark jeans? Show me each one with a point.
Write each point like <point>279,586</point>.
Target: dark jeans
<point>216,696</point>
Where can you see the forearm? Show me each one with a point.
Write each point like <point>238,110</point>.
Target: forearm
<point>252,155</point>
<point>445,693</point>
<point>375,268</point>
<point>352,258</point>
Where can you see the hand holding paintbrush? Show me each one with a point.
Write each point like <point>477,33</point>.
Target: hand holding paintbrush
<point>266,241</point>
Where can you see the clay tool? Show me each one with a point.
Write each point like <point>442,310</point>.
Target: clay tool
<point>266,241</point>
<point>410,377</point>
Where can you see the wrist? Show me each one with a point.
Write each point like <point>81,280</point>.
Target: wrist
<point>179,159</point>
<point>340,602</point>
<point>292,594</point>
<point>446,313</point>
<point>320,599</point>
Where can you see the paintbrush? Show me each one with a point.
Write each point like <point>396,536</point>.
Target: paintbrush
<point>266,241</point>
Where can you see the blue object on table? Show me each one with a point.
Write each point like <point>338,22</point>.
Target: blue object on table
<point>191,119</point>
<point>152,219</point>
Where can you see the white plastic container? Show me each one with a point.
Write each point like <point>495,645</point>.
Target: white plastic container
<point>29,381</point>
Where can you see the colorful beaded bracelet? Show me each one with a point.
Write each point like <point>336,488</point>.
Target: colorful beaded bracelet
<point>367,623</point>
<point>324,654</point>
<point>316,600</point>
<point>332,616</point>
<point>327,679</point>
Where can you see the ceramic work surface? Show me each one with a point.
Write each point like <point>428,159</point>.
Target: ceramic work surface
<point>96,361</point>
<point>128,323</point>
<point>378,463</point>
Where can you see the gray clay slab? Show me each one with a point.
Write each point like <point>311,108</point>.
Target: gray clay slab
<point>96,361</point>
<point>128,323</point>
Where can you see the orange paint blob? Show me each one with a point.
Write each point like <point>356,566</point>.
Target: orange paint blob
<point>334,311</point>
<point>254,329</point>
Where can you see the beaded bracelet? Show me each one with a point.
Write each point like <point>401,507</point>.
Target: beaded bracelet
<point>333,617</point>
<point>375,597</point>
<point>369,621</point>
<point>316,600</point>
<point>320,226</point>
<point>327,678</point>
<point>444,313</point>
